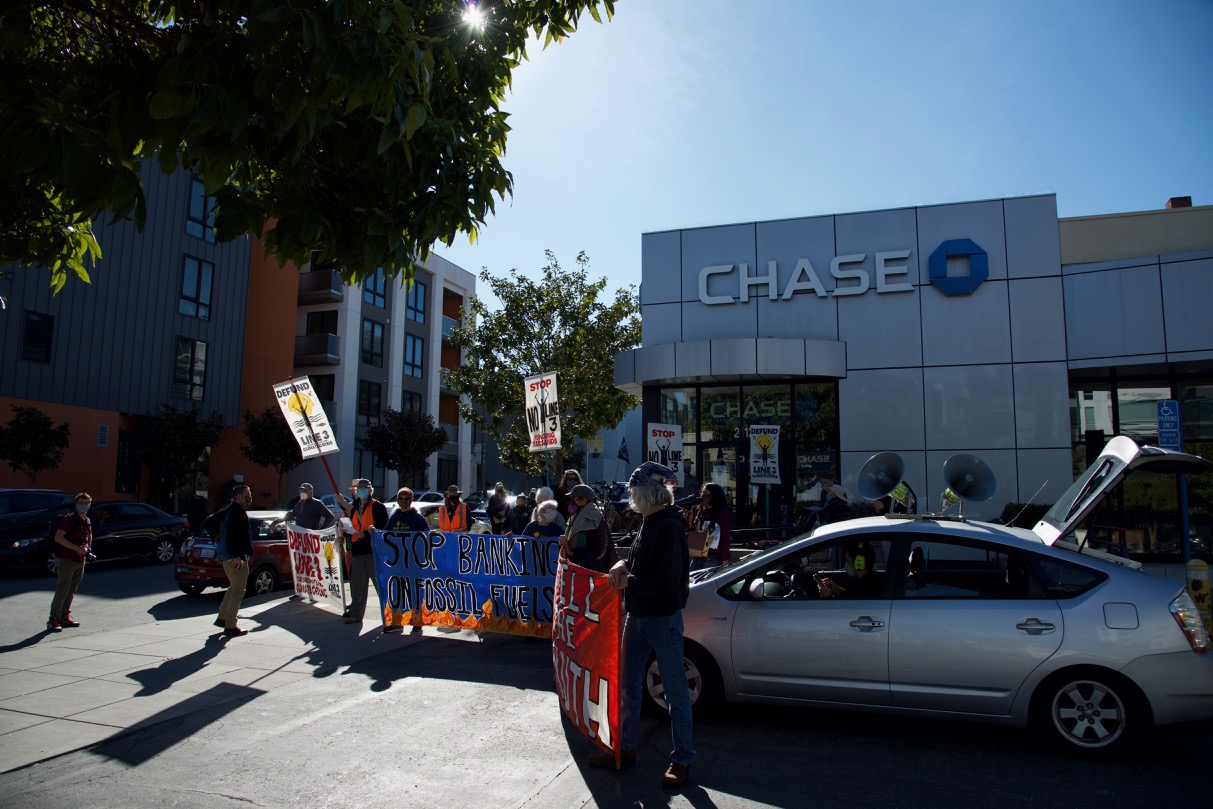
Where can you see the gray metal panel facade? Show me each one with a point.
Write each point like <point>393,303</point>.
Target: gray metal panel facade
<point>114,340</point>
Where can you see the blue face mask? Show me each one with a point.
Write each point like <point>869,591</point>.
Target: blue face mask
<point>364,494</point>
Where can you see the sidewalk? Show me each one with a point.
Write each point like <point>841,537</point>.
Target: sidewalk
<point>72,690</point>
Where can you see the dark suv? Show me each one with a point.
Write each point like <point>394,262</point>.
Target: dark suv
<point>16,504</point>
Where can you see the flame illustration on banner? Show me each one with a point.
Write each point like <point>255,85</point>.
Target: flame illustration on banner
<point>489,623</point>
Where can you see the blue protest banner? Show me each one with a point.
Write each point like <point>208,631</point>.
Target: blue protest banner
<point>468,581</point>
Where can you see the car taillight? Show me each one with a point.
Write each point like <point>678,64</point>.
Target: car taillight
<point>1189,620</point>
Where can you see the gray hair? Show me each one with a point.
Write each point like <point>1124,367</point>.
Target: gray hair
<point>648,496</point>
<point>544,493</point>
<point>546,512</point>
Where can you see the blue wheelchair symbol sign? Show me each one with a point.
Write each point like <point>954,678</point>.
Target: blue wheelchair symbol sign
<point>1170,428</point>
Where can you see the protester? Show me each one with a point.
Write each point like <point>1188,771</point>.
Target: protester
<point>714,516</point>
<point>520,515</point>
<point>587,540</point>
<point>655,583</point>
<point>543,495</point>
<point>234,549</point>
<point>309,512</point>
<point>690,483</point>
<point>72,540</point>
<point>544,524</point>
<point>406,518</point>
<point>453,514</point>
<point>366,515</point>
<point>564,505</point>
<point>499,509</point>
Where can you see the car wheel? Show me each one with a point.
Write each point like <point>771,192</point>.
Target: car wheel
<point>165,550</point>
<point>263,581</point>
<point>192,589</point>
<point>1089,711</point>
<point>703,681</point>
<point>52,563</point>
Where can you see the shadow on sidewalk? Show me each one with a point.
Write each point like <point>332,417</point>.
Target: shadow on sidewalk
<point>159,678</point>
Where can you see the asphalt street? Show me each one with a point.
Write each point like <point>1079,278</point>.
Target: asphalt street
<point>452,720</point>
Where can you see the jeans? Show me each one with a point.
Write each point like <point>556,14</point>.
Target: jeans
<point>362,571</point>
<point>70,574</point>
<point>662,636</point>
<point>237,582</point>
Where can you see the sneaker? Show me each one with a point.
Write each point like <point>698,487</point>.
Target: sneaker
<point>69,622</point>
<point>234,632</point>
<point>349,619</point>
<point>392,628</point>
<point>675,775</point>
<point>627,759</point>
<point>415,630</point>
<point>53,625</point>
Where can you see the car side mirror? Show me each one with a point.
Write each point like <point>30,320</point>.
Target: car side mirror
<point>756,591</point>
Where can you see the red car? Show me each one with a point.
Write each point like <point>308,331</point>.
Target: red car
<point>197,567</point>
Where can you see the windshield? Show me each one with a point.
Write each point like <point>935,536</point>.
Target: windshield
<point>704,575</point>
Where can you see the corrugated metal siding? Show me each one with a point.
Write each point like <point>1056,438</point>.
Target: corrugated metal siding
<point>115,339</point>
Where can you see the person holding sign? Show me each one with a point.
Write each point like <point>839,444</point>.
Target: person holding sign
<point>655,580</point>
<point>366,515</point>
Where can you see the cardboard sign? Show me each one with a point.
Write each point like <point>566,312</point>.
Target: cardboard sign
<point>306,417</point>
<point>542,411</point>
<point>316,560</point>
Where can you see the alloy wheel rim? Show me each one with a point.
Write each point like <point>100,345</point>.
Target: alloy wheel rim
<point>1088,714</point>
<point>656,687</point>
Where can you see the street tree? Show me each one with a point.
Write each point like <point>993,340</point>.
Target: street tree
<point>403,441</point>
<point>271,444</point>
<point>367,130</point>
<point>171,443</point>
<point>31,443</point>
<point>555,323</point>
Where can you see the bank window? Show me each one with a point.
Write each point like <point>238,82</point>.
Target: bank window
<point>200,221</point>
<point>195,300</point>
<point>324,385</point>
<point>369,406</point>
<point>38,337</point>
<point>720,414</point>
<point>374,289</point>
<point>415,305</point>
<point>322,322</point>
<point>677,406</point>
<point>413,351</point>
<point>189,372</point>
<point>372,343</point>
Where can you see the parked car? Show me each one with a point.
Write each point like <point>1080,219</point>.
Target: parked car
<point>480,524</point>
<point>197,568</point>
<point>966,619</point>
<point>16,504</point>
<point>121,530</point>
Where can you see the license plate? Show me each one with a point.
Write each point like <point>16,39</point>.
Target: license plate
<point>205,553</point>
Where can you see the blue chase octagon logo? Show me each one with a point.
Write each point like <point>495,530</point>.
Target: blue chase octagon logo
<point>979,267</point>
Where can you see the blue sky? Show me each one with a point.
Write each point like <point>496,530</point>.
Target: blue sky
<point>683,113</point>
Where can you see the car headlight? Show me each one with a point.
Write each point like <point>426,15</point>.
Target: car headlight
<point>22,543</point>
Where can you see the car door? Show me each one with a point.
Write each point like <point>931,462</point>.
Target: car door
<point>794,644</point>
<point>109,541</point>
<point>969,627</point>
<point>139,526</point>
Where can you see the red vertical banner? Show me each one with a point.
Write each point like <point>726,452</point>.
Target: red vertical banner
<point>586,625</point>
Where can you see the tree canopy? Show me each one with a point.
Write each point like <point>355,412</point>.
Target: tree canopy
<point>403,441</point>
<point>367,130</point>
<point>31,443</point>
<point>271,444</point>
<point>170,442</point>
<point>555,324</point>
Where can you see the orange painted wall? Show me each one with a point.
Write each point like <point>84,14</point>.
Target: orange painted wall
<point>86,466</point>
<point>269,357</point>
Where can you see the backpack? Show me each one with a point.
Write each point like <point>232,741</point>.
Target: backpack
<point>214,521</point>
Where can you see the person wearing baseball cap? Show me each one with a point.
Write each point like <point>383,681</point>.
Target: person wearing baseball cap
<point>655,580</point>
<point>366,515</point>
<point>309,512</point>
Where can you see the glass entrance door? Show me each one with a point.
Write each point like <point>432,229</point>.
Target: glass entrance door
<point>718,464</point>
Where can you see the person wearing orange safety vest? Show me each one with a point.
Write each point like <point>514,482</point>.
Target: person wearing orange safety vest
<point>453,514</point>
<point>366,515</point>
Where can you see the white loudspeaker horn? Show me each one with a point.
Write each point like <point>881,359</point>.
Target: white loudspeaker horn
<point>880,475</point>
<point>967,478</point>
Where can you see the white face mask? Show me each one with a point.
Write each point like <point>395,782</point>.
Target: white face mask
<point>304,496</point>
<point>82,508</point>
<point>850,569</point>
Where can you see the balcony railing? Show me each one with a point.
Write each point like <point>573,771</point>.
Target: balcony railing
<point>321,286</point>
<point>317,349</point>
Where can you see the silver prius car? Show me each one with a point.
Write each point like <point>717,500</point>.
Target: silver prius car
<point>961,619</point>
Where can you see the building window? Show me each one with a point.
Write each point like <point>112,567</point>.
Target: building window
<point>372,343</point>
<point>322,322</point>
<point>413,350</point>
<point>196,288</point>
<point>324,385</point>
<point>201,219</point>
<point>369,407</point>
<point>366,466</point>
<point>410,401</point>
<point>189,375</point>
<point>415,306</point>
<point>39,336</point>
<point>374,289</point>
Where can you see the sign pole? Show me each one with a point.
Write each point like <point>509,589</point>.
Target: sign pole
<point>1171,436</point>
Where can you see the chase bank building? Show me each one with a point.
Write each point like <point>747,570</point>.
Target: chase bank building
<point>990,328</point>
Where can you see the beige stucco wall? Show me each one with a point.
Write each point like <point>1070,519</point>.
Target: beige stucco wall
<point>1111,237</point>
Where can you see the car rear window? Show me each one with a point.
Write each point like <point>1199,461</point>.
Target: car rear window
<point>1064,579</point>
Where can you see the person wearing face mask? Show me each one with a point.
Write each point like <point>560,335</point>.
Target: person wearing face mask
<point>860,579</point>
<point>453,514</point>
<point>564,504</point>
<point>366,515</point>
<point>713,515</point>
<point>72,538</point>
<point>309,512</point>
<point>234,549</point>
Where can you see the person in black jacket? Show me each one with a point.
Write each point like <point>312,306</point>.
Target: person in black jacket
<point>234,549</point>
<point>655,583</point>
